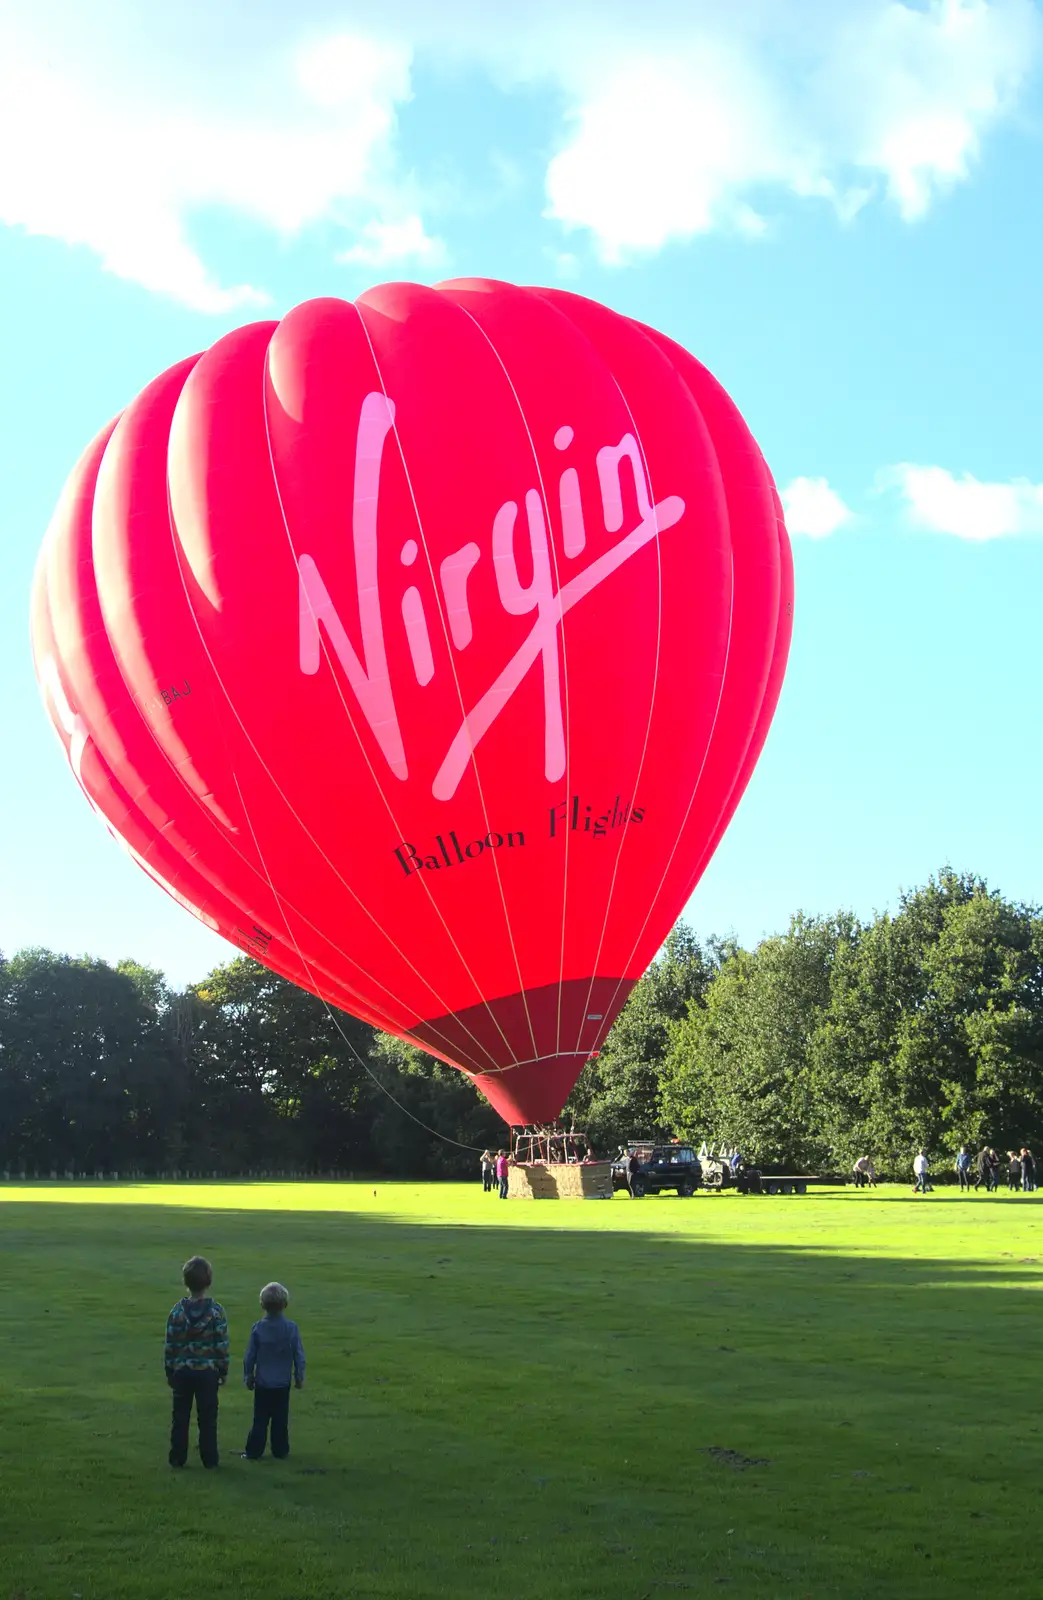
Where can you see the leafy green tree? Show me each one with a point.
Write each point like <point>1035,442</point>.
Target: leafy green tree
<point>618,1095</point>
<point>933,1035</point>
<point>277,1079</point>
<point>427,1119</point>
<point>84,1065</point>
<point>831,1040</point>
<point>740,1065</point>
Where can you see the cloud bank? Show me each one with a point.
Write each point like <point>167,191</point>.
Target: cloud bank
<point>670,138</point>
<point>122,124</point>
<point>124,171</point>
<point>928,500</point>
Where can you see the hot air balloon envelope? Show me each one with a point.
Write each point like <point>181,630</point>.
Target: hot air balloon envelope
<point>423,647</point>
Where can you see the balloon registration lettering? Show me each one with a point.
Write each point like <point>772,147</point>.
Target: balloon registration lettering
<point>370,679</point>
<point>69,723</point>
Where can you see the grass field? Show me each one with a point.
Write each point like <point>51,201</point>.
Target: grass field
<point>776,1397</point>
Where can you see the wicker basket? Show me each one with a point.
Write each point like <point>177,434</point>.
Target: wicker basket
<point>589,1180</point>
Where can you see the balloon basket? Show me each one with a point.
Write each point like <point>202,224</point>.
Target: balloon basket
<point>561,1180</point>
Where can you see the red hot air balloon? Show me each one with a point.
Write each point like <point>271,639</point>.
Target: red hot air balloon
<point>424,646</point>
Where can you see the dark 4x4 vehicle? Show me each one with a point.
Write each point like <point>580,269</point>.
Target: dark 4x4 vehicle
<point>659,1167</point>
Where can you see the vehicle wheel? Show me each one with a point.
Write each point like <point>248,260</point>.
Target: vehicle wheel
<point>787,1188</point>
<point>637,1189</point>
<point>686,1190</point>
<point>773,1188</point>
<point>801,1188</point>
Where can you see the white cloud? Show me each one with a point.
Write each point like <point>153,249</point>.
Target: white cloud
<point>936,500</point>
<point>669,138</point>
<point>655,147</point>
<point>122,123</point>
<point>123,170</point>
<point>932,83</point>
<point>383,243</point>
<point>814,509</point>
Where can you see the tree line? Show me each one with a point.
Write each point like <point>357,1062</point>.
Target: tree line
<point>834,1039</point>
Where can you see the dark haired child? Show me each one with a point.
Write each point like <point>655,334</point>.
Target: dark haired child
<point>196,1361</point>
<point>274,1355</point>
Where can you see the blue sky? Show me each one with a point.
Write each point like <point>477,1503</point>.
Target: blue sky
<point>838,208</point>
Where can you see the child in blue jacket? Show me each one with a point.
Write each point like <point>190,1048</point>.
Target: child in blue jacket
<point>274,1356</point>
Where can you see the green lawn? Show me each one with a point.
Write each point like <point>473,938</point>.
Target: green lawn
<point>779,1397</point>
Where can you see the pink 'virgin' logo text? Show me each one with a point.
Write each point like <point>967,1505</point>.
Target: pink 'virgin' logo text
<point>369,677</point>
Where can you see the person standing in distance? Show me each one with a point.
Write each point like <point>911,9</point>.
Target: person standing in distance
<point>994,1171</point>
<point>921,1166</point>
<point>964,1162</point>
<point>274,1356</point>
<point>1028,1171</point>
<point>865,1173</point>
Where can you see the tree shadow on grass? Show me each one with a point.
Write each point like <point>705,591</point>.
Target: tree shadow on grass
<point>511,1408</point>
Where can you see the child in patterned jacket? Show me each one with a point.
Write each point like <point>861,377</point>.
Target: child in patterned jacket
<point>196,1362</point>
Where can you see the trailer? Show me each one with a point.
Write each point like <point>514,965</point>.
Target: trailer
<point>720,1172</point>
<point>786,1183</point>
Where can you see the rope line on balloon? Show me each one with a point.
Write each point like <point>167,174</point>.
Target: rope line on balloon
<point>180,777</point>
<point>460,699</point>
<point>666,869</point>
<point>56,688</point>
<point>597,1040</point>
<point>651,707</point>
<point>744,770</point>
<point>282,901</point>
<point>286,801</point>
<point>564,665</point>
<point>445,1009</point>
<point>363,1063</point>
<point>713,728</point>
<point>115,775</point>
<point>195,800</point>
<point>329,1010</point>
<point>586,1052</point>
<point>208,817</point>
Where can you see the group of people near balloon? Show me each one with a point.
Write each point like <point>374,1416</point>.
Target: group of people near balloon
<point>987,1165</point>
<point>972,1171</point>
<point>495,1172</point>
<point>540,1143</point>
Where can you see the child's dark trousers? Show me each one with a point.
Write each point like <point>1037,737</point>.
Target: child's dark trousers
<point>200,1387</point>
<point>271,1406</point>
